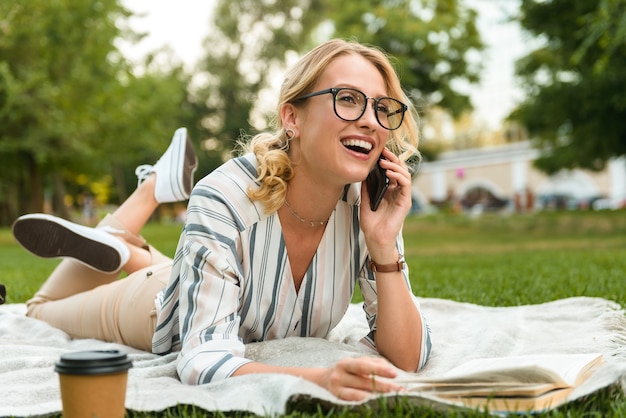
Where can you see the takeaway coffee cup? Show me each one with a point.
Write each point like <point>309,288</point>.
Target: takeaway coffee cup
<point>93,383</point>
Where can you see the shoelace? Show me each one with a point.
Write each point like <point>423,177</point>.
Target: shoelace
<point>142,172</point>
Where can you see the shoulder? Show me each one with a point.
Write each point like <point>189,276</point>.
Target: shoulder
<point>225,191</point>
<point>241,169</point>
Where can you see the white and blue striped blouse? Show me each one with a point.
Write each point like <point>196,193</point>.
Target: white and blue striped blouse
<point>231,282</point>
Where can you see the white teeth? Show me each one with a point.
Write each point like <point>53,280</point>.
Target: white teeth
<point>357,143</point>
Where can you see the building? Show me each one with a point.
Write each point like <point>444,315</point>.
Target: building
<point>503,176</point>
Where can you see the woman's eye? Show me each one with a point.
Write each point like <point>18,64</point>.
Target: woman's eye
<point>347,98</point>
<point>383,109</point>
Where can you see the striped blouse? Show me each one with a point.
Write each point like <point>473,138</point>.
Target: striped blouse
<point>231,283</point>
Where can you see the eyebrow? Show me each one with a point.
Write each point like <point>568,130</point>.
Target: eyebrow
<point>350,86</point>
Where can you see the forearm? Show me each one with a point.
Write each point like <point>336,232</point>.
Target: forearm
<point>350,378</point>
<point>312,374</point>
<point>398,323</point>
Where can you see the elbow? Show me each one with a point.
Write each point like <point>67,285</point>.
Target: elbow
<point>407,363</point>
<point>406,359</point>
<point>405,356</point>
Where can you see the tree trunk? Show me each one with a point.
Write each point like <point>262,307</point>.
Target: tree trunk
<point>36,187</point>
<point>120,184</point>
<point>59,197</point>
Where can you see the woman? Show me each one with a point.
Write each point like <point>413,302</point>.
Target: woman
<point>276,240</point>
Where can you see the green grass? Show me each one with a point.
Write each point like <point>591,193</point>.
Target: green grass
<point>493,260</point>
<point>501,261</point>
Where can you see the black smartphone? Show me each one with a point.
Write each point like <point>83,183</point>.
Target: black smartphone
<point>377,184</point>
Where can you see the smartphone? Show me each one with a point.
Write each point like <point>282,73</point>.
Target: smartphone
<point>377,184</point>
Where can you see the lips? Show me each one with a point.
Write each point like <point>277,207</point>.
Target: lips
<point>357,145</point>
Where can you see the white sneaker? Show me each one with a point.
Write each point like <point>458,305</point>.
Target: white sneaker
<point>174,170</point>
<point>52,237</point>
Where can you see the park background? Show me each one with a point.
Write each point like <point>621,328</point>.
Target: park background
<point>91,89</point>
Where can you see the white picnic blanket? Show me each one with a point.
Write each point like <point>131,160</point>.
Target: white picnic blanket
<point>29,349</point>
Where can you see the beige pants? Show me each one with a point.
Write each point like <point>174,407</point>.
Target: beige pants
<point>87,303</point>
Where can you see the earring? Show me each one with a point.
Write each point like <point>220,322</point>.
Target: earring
<point>289,135</point>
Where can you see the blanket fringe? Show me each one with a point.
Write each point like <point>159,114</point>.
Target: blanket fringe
<point>614,320</point>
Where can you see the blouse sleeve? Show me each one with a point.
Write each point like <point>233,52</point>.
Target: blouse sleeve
<point>209,275</point>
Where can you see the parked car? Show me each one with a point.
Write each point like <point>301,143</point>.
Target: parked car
<point>609,204</point>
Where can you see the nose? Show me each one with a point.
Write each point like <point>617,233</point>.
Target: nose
<point>368,119</point>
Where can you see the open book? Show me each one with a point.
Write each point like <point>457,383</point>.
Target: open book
<point>515,384</point>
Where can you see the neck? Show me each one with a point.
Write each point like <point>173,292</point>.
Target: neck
<point>311,223</point>
<point>309,209</point>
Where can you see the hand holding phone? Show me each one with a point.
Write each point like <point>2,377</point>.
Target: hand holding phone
<point>377,184</point>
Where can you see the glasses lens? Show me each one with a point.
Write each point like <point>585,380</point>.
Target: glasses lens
<point>390,112</point>
<point>349,104</point>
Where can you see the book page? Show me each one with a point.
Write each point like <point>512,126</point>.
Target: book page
<point>452,391</point>
<point>512,376</point>
<point>542,402</point>
<point>561,370</point>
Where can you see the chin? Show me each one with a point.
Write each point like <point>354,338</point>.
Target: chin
<point>358,178</point>
<point>353,173</point>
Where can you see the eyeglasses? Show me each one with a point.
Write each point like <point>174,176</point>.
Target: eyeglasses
<point>350,104</point>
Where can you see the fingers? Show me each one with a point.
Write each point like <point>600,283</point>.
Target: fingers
<point>396,170</point>
<point>367,366</point>
<point>349,394</point>
<point>399,181</point>
<point>360,378</point>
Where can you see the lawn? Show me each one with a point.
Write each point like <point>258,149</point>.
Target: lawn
<point>492,260</point>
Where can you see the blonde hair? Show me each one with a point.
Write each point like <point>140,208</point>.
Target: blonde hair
<point>271,149</point>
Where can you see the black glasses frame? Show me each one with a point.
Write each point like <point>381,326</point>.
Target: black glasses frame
<point>335,90</point>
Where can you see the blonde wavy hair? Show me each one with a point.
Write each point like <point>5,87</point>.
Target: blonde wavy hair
<point>271,149</point>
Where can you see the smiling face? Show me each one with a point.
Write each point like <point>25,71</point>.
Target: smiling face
<point>331,149</point>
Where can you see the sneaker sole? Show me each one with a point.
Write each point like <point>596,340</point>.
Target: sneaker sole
<point>175,180</point>
<point>183,166</point>
<point>49,238</point>
<point>191,164</point>
<point>186,164</point>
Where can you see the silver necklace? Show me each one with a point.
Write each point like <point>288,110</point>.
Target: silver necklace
<point>301,219</point>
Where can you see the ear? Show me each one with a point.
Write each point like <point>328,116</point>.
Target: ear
<point>289,117</point>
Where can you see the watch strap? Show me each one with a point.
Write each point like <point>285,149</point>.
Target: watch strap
<point>387,268</point>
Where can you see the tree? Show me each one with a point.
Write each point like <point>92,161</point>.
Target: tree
<point>432,43</point>
<point>249,43</point>
<point>575,107</point>
<point>69,103</point>
<point>51,63</point>
<point>607,27</point>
